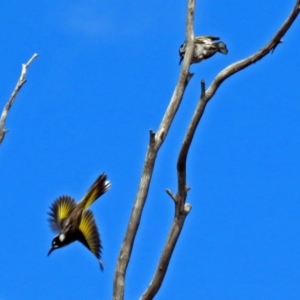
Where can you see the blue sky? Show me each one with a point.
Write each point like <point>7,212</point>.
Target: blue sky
<point>104,77</point>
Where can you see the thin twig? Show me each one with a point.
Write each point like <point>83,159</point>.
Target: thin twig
<point>173,197</point>
<point>202,88</point>
<point>20,83</point>
<point>153,148</point>
<point>181,207</point>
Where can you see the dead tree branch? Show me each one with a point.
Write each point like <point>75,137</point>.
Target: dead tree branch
<point>181,207</point>
<point>242,64</point>
<point>20,83</point>
<point>156,140</point>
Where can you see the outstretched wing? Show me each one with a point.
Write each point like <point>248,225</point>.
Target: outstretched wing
<point>89,235</point>
<point>99,187</point>
<point>59,211</point>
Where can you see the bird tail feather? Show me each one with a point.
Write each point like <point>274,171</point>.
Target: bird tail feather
<point>99,187</point>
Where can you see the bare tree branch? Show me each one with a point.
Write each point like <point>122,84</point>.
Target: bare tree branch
<point>20,83</point>
<point>155,143</point>
<point>181,207</point>
<point>164,261</point>
<point>242,64</point>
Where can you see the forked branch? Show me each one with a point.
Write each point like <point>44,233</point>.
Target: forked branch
<point>20,83</point>
<point>156,140</point>
<point>181,207</point>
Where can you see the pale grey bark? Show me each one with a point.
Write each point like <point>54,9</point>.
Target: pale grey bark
<point>156,139</point>
<point>20,83</point>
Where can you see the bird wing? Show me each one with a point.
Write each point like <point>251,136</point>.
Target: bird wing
<point>99,187</point>
<point>89,235</point>
<point>206,37</point>
<point>59,211</point>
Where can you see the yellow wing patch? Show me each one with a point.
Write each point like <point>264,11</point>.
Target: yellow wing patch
<point>99,187</point>
<point>59,211</point>
<point>90,235</point>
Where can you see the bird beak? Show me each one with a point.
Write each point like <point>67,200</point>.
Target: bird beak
<point>50,251</point>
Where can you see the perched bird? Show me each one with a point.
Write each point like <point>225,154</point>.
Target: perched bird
<point>205,47</point>
<point>74,222</point>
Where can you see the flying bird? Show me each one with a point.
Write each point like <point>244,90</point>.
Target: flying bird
<point>205,47</point>
<point>74,222</point>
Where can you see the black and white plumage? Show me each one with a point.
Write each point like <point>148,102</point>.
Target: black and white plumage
<point>205,47</point>
<point>73,221</point>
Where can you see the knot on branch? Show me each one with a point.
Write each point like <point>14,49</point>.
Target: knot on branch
<point>152,137</point>
<point>189,77</point>
<point>276,43</point>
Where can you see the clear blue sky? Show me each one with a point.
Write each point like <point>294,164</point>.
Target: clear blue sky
<point>104,77</point>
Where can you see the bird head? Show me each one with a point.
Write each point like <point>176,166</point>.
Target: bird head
<point>57,242</point>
